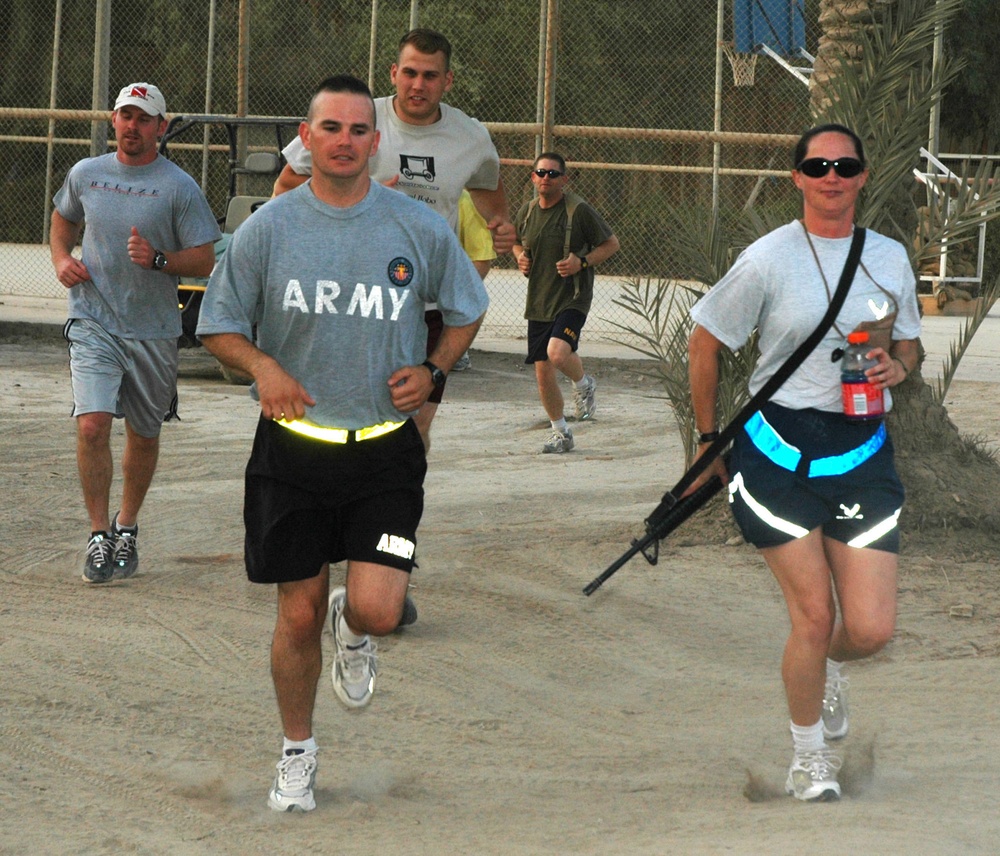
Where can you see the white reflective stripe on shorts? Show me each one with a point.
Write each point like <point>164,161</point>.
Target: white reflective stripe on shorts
<point>876,532</point>
<point>736,486</point>
<point>337,435</point>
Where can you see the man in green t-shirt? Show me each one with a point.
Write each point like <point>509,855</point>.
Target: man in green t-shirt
<point>560,240</point>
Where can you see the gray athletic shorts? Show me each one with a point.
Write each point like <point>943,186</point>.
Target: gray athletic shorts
<point>133,379</point>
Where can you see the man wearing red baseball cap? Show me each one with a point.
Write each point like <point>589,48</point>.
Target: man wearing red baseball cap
<point>148,223</point>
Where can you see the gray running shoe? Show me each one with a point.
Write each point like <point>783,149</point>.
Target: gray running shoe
<point>98,563</point>
<point>464,362</point>
<point>813,776</point>
<point>559,442</point>
<point>353,668</point>
<point>409,613</point>
<point>126,557</point>
<point>583,397</point>
<point>835,708</point>
<point>293,784</point>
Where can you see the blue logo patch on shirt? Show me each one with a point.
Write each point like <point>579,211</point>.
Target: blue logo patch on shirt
<point>400,271</point>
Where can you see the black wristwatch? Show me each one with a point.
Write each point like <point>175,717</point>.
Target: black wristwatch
<point>437,376</point>
<point>708,437</point>
<point>159,260</point>
<point>584,264</point>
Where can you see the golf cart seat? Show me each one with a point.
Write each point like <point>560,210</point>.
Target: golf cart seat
<point>241,207</point>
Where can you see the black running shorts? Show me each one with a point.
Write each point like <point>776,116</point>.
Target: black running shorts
<point>308,502</point>
<point>567,325</point>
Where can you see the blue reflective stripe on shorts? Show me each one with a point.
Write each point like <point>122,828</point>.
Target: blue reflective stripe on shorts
<point>837,464</point>
<point>786,456</point>
<point>771,444</point>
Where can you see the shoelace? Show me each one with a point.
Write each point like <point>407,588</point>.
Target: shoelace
<point>355,662</point>
<point>295,771</point>
<point>125,547</point>
<point>100,552</point>
<point>821,764</point>
<point>835,687</point>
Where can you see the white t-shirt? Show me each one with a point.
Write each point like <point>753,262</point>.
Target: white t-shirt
<point>434,162</point>
<point>775,287</point>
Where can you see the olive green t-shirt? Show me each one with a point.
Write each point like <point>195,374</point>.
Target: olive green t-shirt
<point>542,231</point>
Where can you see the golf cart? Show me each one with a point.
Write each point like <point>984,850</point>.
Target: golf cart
<point>251,147</point>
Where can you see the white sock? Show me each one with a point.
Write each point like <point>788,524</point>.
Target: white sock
<point>297,747</point>
<point>833,668</point>
<point>808,738</point>
<point>560,425</point>
<point>351,639</point>
<point>583,382</point>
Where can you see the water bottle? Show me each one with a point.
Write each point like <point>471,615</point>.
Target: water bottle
<point>862,399</point>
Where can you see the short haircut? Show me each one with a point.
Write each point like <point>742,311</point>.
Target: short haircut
<point>342,83</point>
<point>552,156</point>
<point>802,146</point>
<point>428,42</point>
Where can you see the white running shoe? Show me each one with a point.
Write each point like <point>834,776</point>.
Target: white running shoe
<point>559,442</point>
<point>293,784</point>
<point>353,668</point>
<point>583,397</point>
<point>813,776</point>
<point>835,708</point>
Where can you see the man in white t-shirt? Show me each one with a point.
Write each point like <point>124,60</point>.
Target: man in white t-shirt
<point>430,150</point>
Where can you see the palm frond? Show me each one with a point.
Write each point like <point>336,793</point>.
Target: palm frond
<point>957,350</point>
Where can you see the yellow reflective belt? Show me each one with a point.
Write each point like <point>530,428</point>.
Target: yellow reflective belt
<point>337,435</point>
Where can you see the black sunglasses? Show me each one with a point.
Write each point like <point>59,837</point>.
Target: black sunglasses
<point>818,167</point>
<point>551,173</point>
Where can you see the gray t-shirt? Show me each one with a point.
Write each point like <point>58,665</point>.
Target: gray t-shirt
<point>434,162</point>
<point>167,207</point>
<point>775,286</point>
<point>338,295</point>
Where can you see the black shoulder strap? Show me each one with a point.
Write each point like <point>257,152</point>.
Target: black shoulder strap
<point>779,377</point>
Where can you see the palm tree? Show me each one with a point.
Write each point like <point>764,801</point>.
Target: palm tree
<point>872,74</point>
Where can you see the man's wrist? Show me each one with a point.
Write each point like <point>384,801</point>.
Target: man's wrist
<point>438,377</point>
<point>708,436</point>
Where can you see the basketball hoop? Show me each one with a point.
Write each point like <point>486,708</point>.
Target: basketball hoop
<point>743,64</point>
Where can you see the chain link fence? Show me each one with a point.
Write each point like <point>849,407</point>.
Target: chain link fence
<point>638,95</point>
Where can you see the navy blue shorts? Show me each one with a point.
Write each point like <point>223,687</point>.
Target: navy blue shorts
<point>795,470</point>
<point>567,325</point>
<point>308,502</point>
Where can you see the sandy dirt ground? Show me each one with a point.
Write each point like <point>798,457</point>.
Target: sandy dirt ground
<point>517,716</point>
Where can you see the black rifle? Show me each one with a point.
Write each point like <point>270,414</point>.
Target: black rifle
<point>674,508</point>
<point>666,517</point>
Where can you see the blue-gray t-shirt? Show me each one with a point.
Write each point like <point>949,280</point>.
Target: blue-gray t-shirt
<point>167,207</point>
<point>338,294</point>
